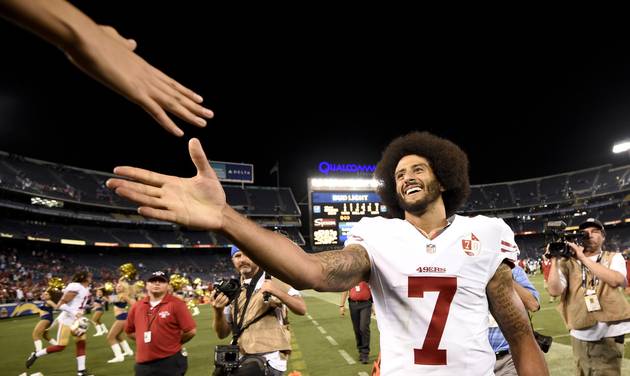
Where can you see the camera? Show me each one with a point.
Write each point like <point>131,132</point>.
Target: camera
<point>226,358</point>
<point>544,342</point>
<point>558,246</point>
<point>229,287</point>
<point>228,362</point>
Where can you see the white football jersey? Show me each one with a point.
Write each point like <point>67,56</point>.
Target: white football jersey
<point>78,303</point>
<point>430,295</point>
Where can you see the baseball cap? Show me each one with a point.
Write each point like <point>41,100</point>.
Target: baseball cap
<point>158,275</point>
<point>591,222</point>
<point>234,250</point>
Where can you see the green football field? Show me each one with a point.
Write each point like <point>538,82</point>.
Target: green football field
<point>323,344</point>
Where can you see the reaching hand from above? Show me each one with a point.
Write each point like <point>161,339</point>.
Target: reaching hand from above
<point>196,202</point>
<point>107,57</point>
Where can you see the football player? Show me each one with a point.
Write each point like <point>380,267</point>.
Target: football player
<point>434,275</point>
<point>72,303</point>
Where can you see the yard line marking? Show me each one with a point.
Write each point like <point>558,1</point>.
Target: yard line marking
<point>363,374</point>
<point>347,357</point>
<point>309,317</point>
<point>315,323</point>
<point>332,341</point>
<point>322,330</point>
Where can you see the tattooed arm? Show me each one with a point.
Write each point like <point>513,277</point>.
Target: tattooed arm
<point>508,310</point>
<point>274,253</point>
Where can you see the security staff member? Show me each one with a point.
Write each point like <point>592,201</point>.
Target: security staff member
<point>360,303</point>
<point>160,323</point>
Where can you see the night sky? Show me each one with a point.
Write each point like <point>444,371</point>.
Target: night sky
<point>302,91</point>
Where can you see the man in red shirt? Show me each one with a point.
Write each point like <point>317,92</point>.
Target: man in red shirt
<point>163,323</point>
<point>360,303</point>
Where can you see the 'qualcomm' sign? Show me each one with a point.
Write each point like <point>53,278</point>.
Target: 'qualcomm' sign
<point>326,168</point>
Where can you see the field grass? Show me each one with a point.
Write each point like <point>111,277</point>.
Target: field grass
<point>323,344</point>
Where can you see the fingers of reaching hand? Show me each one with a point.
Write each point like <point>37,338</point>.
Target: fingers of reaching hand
<point>140,188</point>
<point>154,109</point>
<point>181,88</point>
<point>198,156</point>
<point>179,104</point>
<point>128,43</point>
<point>138,174</point>
<point>140,198</point>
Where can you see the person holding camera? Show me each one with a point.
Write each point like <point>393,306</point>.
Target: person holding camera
<point>257,318</point>
<point>592,303</point>
<point>164,324</point>
<point>531,300</point>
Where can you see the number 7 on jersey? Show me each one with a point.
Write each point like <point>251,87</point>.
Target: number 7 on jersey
<point>429,354</point>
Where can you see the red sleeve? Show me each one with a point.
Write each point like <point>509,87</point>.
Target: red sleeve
<point>130,326</point>
<point>184,317</point>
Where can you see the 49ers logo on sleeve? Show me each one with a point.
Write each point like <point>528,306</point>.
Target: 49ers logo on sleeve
<point>471,245</point>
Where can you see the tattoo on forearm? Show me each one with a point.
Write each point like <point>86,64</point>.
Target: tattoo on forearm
<point>344,269</point>
<point>510,315</point>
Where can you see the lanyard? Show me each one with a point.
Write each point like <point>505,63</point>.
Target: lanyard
<point>594,280</point>
<point>153,315</point>
<point>238,325</point>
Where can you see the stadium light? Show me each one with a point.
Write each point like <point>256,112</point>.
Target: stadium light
<point>346,183</point>
<point>621,146</point>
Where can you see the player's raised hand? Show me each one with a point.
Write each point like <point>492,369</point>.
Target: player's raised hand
<point>196,202</point>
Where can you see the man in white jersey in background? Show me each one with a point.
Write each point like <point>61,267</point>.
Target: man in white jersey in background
<point>72,305</point>
<point>434,275</point>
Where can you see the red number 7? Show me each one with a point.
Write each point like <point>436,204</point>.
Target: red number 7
<point>429,354</point>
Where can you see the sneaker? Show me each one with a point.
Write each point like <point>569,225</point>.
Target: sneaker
<point>84,373</point>
<point>98,334</point>
<point>363,358</point>
<point>130,353</point>
<point>30,360</point>
<point>116,359</point>
<point>53,342</point>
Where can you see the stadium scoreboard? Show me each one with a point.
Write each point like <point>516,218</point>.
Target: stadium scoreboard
<point>335,210</point>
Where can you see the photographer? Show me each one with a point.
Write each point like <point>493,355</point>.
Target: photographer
<point>592,304</point>
<point>257,319</point>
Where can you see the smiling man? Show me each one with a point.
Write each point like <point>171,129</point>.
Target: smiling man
<point>434,275</point>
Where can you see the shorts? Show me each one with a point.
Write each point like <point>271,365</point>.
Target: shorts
<point>122,316</point>
<point>48,317</point>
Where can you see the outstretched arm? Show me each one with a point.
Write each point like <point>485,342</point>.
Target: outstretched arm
<point>199,202</point>
<point>109,58</point>
<point>506,307</point>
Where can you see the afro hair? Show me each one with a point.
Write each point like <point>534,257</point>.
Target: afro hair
<point>448,161</point>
